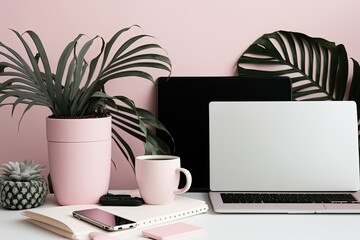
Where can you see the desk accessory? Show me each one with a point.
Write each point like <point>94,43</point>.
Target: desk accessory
<point>100,236</point>
<point>158,178</point>
<point>171,231</point>
<point>120,200</point>
<point>104,219</point>
<point>22,186</point>
<point>60,220</point>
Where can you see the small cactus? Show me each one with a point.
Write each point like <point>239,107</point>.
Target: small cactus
<point>21,171</point>
<point>22,186</point>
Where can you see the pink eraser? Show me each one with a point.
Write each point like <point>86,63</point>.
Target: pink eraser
<point>171,231</point>
<point>100,236</point>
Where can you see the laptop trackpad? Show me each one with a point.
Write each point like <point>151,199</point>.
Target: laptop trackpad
<point>343,206</point>
<point>298,208</point>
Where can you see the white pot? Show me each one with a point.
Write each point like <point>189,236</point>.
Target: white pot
<point>79,158</point>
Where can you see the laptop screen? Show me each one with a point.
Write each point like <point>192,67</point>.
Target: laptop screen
<point>284,146</point>
<point>183,107</point>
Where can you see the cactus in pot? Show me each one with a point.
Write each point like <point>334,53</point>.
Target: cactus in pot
<point>22,186</point>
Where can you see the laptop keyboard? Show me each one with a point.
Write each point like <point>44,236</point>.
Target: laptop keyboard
<point>288,198</point>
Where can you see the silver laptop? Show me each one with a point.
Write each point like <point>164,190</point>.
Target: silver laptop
<point>284,157</point>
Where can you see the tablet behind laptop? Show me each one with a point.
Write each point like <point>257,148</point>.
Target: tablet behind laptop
<point>183,107</point>
<point>265,150</point>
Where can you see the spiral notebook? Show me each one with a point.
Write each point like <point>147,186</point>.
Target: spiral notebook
<point>60,220</point>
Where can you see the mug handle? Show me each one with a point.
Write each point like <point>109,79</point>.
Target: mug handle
<point>188,181</point>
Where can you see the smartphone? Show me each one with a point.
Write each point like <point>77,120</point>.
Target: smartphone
<point>104,220</point>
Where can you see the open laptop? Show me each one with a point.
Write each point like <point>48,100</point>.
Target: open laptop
<point>183,107</point>
<point>284,157</point>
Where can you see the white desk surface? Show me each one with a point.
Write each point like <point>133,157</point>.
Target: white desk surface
<point>218,226</point>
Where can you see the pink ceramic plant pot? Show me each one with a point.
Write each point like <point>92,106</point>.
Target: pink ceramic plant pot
<point>79,158</point>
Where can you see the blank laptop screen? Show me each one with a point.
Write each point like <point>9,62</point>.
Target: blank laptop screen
<point>183,107</point>
<point>284,146</point>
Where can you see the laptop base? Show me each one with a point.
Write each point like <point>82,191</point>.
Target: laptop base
<point>291,208</point>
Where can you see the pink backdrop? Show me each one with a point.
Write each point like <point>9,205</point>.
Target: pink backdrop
<point>202,37</point>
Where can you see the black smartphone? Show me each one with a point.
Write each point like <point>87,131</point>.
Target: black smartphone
<point>104,220</point>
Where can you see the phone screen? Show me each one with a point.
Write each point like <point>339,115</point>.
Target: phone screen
<point>103,219</point>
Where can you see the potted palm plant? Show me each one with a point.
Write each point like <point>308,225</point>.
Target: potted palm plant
<point>84,117</point>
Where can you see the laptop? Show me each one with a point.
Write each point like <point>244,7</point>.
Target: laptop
<point>183,107</point>
<point>284,157</point>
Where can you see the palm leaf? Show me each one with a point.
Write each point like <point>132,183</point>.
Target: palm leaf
<point>34,62</point>
<point>354,92</point>
<point>153,144</point>
<point>45,62</point>
<point>62,94</point>
<point>110,44</point>
<point>138,123</point>
<point>124,148</point>
<point>318,68</point>
<point>26,83</point>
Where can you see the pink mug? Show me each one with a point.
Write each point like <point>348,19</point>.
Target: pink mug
<point>158,178</point>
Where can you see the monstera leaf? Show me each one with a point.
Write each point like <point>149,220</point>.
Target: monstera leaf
<point>319,69</point>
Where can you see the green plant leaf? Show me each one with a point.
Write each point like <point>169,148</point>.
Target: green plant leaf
<point>24,85</point>
<point>34,63</point>
<point>45,62</point>
<point>288,54</point>
<point>354,93</point>
<point>138,123</point>
<point>16,60</point>
<point>124,148</point>
<point>94,62</point>
<point>109,46</point>
<point>61,102</point>
<point>319,69</point>
<point>155,145</point>
<point>149,119</point>
<point>79,67</point>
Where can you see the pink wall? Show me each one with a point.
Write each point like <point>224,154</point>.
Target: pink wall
<point>202,37</point>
